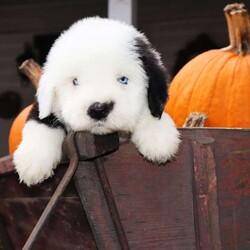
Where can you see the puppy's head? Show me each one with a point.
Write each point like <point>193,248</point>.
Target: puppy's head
<point>102,76</point>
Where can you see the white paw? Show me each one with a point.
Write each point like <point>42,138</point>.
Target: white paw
<point>39,152</point>
<point>157,140</point>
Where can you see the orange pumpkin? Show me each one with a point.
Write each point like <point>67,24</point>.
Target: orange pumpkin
<point>217,82</point>
<point>15,135</point>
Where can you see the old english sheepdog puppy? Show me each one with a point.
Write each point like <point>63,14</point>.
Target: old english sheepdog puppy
<point>100,76</point>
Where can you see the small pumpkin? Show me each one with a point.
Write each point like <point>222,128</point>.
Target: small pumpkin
<point>217,82</point>
<point>15,135</point>
<point>33,71</point>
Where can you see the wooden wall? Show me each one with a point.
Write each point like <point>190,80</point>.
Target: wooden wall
<point>178,29</point>
<point>173,24</point>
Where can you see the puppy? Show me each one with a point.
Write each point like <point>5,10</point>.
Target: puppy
<point>100,76</point>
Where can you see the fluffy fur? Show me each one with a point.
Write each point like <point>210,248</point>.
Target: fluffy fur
<point>84,67</point>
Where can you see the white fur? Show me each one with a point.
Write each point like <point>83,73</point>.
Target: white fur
<point>39,153</point>
<point>157,140</point>
<point>97,52</point>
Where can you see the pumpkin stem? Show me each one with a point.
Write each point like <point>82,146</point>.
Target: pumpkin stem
<point>238,22</point>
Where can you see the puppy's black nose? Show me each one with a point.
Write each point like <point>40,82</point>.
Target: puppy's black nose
<point>99,111</point>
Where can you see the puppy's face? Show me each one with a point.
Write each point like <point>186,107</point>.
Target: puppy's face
<point>101,76</point>
<point>104,94</point>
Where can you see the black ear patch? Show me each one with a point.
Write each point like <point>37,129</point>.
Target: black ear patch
<point>158,78</point>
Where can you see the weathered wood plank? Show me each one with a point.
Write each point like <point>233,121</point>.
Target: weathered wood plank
<point>155,203</point>
<point>205,195</point>
<point>95,205</point>
<point>5,242</point>
<point>233,184</point>
<point>67,226</point>
<point>10,188</point>
<point>90,146</point>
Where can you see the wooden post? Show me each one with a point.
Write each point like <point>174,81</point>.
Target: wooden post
<point>123,10</point>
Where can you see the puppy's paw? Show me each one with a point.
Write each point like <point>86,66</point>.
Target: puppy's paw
<point>32,169</point>
<point>39,152</point>
<point>157,140</point>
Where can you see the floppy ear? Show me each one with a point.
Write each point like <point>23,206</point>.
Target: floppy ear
<point>45,95</point>
<point>157,77</point>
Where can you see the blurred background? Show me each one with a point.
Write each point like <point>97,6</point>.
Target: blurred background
<point>178,29</point>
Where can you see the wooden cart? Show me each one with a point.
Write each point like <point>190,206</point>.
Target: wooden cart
<point>199,200</point>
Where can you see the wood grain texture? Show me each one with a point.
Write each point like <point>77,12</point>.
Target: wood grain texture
<point>154,202</point>
<point>96,207</point>
<point>21,207</point>
<point>233,180</point>
<point>205,195</point>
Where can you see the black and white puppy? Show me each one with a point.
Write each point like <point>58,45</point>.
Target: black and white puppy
<point>100,76</point>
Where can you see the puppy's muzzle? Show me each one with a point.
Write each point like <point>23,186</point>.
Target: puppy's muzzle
<point>99,111</point>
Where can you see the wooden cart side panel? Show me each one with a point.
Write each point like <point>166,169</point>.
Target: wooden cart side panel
<point>67,226</point>
<point>231,150</point>
<point>21,209</point>
<point>10,187</point>
<point>233,183</point>
<point>155,202</point>
<point>157,205</point>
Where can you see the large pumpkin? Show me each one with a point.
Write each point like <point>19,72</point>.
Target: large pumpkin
<point>15,135</point>
<point>217,82</point>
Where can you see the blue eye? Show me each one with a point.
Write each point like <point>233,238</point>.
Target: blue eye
<point>123,80</point>
<point>75,81</point>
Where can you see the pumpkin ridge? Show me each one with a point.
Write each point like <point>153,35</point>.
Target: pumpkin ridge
<point>229,104</point>
<point>240,102</point>
<point>220,72</point>
<point>247,90</point>
<point>248,62</point>
<point>195,85</point>
<point>174,105</point>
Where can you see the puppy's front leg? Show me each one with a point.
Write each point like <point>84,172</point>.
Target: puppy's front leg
<point>39,152</point>
<point>157,139</point>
